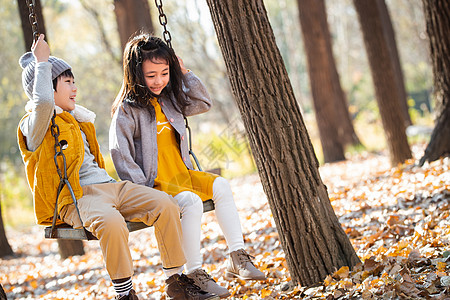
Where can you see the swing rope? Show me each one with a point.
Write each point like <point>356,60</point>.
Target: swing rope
<point>168,39</point>
<point>63,180</point>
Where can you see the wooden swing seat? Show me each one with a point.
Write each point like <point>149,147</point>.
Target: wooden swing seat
<point>67,232</point>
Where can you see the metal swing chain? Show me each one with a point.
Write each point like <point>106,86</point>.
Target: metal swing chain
<point>163,21</point>
<point>190,145</point>
<point>58,148</point>
<point>32,18</point>
<point>168,39</point>
<point>63,180</point>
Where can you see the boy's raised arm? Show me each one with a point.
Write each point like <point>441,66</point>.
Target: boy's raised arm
<point>40,92</point>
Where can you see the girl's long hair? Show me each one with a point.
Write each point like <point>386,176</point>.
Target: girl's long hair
<point>134,89</point>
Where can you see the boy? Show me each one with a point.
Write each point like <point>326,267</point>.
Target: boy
<point>103,203</point>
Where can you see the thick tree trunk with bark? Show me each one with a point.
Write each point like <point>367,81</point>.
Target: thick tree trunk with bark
<point>5,248</point>
<point>25,21</point>
<point>312,238</point>
<point>131,17</point>
<point>437,16</point>
<point>383,75</point>
<point>2,293</point>
<point>392,43</point>
<point>316,38</point>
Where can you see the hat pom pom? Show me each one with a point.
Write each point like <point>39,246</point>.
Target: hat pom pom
<point>26,59</point>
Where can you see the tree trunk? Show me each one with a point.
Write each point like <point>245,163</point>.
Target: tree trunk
<point>131,17</point>
<point>312,238</point>
<point>346,131</point>
<point>437,16</point>
<point>5,248</point>
<point>2,293</point>
<point>383,74</point>
<point>25,21</point>
<point>344,125</point>
<point>392,43</point>
<point>69,248</point>
<point>316,37</point>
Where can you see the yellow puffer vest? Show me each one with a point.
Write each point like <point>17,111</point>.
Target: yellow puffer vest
<point>40,168</point>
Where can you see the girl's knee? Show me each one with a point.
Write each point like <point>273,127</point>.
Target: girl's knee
<point>222,190</point>
<point>221,183</point>
<point>188,201</point>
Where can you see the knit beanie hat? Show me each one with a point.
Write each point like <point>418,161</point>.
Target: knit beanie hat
<point>28,63</point>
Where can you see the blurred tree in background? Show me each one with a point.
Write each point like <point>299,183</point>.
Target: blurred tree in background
<point>383,71</point>
<point>131,16</point>
<point>398,71</point>
<point>330,103</point>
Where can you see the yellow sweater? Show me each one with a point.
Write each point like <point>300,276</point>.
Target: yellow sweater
<point>40,168</point>
<point>173,175</point>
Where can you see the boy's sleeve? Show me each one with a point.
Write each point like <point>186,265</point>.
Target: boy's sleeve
<point>198,97</point>
<point>121,146</point>
<point>40,108</point>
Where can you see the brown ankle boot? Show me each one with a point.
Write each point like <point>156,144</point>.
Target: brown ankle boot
<point>207,283</point>
<point>181,287</point>
<point>240,265</point>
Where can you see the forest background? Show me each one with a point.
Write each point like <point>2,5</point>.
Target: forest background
<point>219,139</point>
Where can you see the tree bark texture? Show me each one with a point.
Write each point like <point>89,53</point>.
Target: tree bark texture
<point>5,248</point>
<point>437,16</point>
<point>25,21</point>
<point>392,43</point>
<point>2,293</point>
<point>317,40</point>
<point>131,17</point>
<point>383,74</point>
<point>316,37</point>
<point>312,238</point>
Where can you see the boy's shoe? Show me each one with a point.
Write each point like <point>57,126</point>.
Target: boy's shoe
<point>181,287</point>
<point>207,283</point>
<point>240,265</point>
<point>131,296</point>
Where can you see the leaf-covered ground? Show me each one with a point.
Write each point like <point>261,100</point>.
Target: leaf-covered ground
<point>396,218</point>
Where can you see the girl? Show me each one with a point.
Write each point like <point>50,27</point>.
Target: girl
<point>148,146</point>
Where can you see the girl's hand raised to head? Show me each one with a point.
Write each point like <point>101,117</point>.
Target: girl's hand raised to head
<point>183,69</point>
<point>40,49</point>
